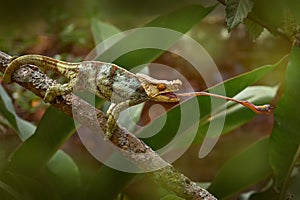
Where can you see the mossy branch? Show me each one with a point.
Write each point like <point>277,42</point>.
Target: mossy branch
<point>168,177</point>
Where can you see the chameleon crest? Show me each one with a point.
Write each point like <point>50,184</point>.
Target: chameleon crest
<point>160,90</point>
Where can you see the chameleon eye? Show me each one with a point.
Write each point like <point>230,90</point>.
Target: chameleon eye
<point>161,86</point>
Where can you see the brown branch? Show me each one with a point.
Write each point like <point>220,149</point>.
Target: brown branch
<point>167,176</point>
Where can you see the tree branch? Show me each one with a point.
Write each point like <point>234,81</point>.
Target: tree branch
<point>167,176</point>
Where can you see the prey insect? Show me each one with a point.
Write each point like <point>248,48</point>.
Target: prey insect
<point>112,83</point>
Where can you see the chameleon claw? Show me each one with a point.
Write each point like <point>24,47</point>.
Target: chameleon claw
<point>55,90</point>
<point>49,95</point>
<point>111,127</point>
<point>107,136</point>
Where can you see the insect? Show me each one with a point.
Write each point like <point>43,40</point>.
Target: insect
<point>111,82</point>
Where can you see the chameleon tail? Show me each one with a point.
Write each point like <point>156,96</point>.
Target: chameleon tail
<point>67,69</point>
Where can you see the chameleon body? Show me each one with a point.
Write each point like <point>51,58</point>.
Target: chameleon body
<point>108,81</point>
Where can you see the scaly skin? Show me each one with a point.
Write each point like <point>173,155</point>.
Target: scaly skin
<point>115,84</point>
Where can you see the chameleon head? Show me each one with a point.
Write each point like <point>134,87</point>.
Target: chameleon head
<point>160,90</point>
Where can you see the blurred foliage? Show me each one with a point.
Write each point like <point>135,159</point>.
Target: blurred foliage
<point>265,169</point>
<point>285,139</point>
<point>62,17</point>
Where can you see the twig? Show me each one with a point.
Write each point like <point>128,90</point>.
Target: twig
<point>167,176</point>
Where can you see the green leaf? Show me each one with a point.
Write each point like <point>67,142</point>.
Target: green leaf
<point>293,6</point>
<point>293,188</point>
<point>236,114</point>
<point>64,174</point>
<point>244,170</point>
<point>130,117</point>
<point>271,14</point>
<point>268,193</point>
<point>285,139</point>
<point>22,127</point>
<point>171,197</point>
<point>28,188</point>
<point>9,190</point>
<point>101,30</point>
<point>235,84</point>
<point>108,183</point>
<point>235,117</point>
<point>237,11</point>
<point>180,21</point>
<point>254,29</point>
<point>54,129</point>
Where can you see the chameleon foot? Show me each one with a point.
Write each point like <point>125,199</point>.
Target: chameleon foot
<point>51,93</point>
<point>111,127</point>
<point>59,90</point>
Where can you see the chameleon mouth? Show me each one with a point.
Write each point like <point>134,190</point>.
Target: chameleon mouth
<point>171,95</point>
<point>166,97</point>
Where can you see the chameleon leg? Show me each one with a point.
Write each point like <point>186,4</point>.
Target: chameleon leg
<point>59,89</point>
<point>113,114</point>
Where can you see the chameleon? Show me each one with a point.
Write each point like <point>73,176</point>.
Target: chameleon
<point>112,83</point>
<point>106,80</point>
